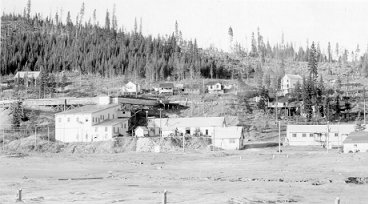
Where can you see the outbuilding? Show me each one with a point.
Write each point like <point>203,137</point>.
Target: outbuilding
<point>228,138</point>
<point>356,142</point>
<point>141,131</point>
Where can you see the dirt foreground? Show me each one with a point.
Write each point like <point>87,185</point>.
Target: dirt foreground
<point>299,175</point>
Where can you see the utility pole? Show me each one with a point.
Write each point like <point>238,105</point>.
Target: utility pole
<point>160,123</point>
<point>364,104</point>
<point>328,135</point>
<point>279,137</point>
<point>276,106</point>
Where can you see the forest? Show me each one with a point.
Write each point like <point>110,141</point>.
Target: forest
<point>30,42</point>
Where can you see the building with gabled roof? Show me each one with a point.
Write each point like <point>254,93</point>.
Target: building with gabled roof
<point>131,88</point>
<point>28,74</point>
<point>166,88</point>
<point>356,142</point>
<point>90,123</point>
<point>289,81</point>
<point>229,138</point>
<point>214,87</point>
<point>191,126</point>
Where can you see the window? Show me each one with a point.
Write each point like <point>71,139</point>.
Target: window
<point>108,116</point>
<point>294,134</point>
<point>123,112</point>
<point>113,129</point>
<point>187,130</point>
<point>86,119</point>
<point>311,135</point>
<point>206,132</point>
<point>59,120</point>
<point>336,134</point>
<point>68,119</point>
<point>232,141</point>
<point>124,125</point>
<point>113,116</point>
<point>304,135</point>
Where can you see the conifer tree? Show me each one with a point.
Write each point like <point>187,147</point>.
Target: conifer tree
<point>312,63</point>
<point>307,98</point>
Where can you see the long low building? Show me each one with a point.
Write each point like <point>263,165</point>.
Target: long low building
<point>191,126</point>
<point>323,135</point>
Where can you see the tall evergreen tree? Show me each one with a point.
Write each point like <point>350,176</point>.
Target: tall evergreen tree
<point>312,63</point>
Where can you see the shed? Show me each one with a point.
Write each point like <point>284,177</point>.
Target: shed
<point>141,131</point>
<point>356,142</point>
<point>229,138</point>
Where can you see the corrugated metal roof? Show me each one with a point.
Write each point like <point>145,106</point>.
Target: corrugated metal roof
<point>172,123</point>
<point>232,132</point>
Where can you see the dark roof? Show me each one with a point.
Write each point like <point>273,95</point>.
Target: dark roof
<point>192,86</point>
<point>212,83</point>
<point>357,137</point>
<point>166,85</point>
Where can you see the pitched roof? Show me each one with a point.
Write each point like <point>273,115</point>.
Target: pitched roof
<point>357,137</point>
<point>172,123</point>
<point>232,132</point>
<point>88,109</point>
<point>294,77</point>
<point>166,85</point>
<point>212,83</point>
<point>29,74</point>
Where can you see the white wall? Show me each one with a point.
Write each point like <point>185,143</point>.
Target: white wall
<point>362,147</point>
<point>317,134</point>
<point>228,144</point>
<point>80,127</point>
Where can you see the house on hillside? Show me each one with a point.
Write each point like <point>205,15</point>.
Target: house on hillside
<point>29,76</point>
<point>215,88</point>
<point>188,126</point>
<point>90,123</point>
<point>289,81</point>
<point>356,142</point>
<point>166,88</point>
<point>131,88</point>
<point>229,138</point>
<point>319,135</point>
<point>192,89</point>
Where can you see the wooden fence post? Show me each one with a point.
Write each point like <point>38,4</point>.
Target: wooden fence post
<point>19,195</point>
<point>48,134</point>
<point>3,139</point>
<point>36,138</point>
<point>164,198</point>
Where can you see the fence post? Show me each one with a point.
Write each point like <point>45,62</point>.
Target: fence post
<point>48,134</point>
<point>3,139</point>
<point>19,195</point>
<point>183,142</point>
<point>337,200</point>
<point>164,198</point>
<point>35,137</point>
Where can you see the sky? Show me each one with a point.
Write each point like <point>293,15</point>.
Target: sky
<point>208,21</point>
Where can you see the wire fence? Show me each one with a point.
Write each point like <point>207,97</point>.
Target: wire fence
<point>22,135</point>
